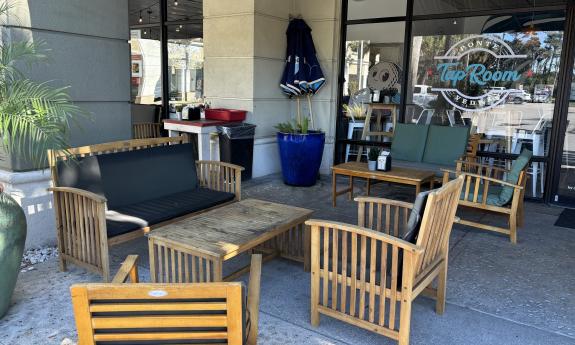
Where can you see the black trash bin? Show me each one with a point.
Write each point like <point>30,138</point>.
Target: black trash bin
<point>237,145</point>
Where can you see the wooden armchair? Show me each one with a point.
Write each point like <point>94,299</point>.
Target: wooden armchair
<point>483,190</point>
<point>369,278</point>
<point>166,313</point>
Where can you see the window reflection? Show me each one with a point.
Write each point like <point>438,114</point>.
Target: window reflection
<point>496,75</point>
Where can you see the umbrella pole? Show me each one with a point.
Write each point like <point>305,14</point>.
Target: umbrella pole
<point>310,111</point>
<point>298,111</point>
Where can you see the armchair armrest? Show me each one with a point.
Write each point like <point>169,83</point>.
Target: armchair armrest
<point>491,179</point>
<point>87,194</point>
<point>383,201</point>
<point>220,176</point>
<point>481,166</point>
<point>394,241</point>
<point>129,269</point>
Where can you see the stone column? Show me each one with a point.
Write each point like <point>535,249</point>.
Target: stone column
<point>244,48</point>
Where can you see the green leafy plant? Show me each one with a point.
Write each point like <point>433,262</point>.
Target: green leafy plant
<point>34,116</point>
<point>292,127</point>
<point>373,153</point>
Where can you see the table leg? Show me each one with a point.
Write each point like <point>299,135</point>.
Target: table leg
<point>368,187</point>
<point>218,270</point>
<point>203,146</point>
<point>431,183</point>
<point>417,189</point>
<point>333,189</point>
<point>307,248</point>
<point>350,197</point>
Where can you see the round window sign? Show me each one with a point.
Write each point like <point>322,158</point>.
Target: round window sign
<point>469,70</point>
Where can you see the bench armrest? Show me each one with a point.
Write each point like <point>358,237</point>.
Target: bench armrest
<point>129,269</point>
<point>220,176</point>
<point>81,228</point>
<point>81,192</point>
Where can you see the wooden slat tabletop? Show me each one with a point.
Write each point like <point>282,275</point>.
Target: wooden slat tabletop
<point>360,169</point>
<point>230,230</point>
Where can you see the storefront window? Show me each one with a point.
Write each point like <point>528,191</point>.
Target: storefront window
<point>146,61</point>
<point>496,75</point>
<point>372,82</point>
<point>428,7</point>
<point>362,9</point>
<point>186,64</point>
<point>566,186</point>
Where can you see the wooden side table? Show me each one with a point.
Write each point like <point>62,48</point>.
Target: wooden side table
<point>194,249</point>
<point>407,176</point>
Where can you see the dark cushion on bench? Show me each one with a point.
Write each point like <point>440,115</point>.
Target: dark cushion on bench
<point>137,176</point>
<point>83,173</point>
<point>124,219</point>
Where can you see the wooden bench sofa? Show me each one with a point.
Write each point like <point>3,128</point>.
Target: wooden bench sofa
<point>111,193</point>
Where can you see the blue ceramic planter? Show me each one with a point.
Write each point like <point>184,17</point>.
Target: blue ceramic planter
<point>301,157</point>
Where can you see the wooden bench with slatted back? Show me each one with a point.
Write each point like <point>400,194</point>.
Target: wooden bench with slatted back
<point>197,313</point>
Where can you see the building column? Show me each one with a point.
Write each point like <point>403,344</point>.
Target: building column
<point>244,50</point>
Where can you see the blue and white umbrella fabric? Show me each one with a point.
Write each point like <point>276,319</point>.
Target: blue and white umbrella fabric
<point>302,73</point>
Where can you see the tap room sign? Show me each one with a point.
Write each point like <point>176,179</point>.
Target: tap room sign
<point>470,69</point>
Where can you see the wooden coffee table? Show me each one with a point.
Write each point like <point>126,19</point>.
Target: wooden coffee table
<point>408,176</point>
<point>195,249</point>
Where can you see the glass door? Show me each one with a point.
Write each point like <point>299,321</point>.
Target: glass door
<point>566,185</point>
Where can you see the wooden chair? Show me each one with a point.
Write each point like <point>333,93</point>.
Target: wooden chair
<point>487,180</point>
<point>166,313</point>
<point>147,130</point>
<point>367,277</point>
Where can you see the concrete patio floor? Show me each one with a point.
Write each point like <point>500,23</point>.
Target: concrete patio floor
<point>498,293</point>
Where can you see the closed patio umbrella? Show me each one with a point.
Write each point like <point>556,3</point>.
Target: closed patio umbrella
<point>302,74</point>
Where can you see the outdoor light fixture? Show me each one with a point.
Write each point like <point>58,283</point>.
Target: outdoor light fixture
<point>140,19</point>
<point>454,21</point>
<point>175,2</point>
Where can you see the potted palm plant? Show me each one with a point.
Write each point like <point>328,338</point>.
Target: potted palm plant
<point>301,151</point>
<point>34,117</point>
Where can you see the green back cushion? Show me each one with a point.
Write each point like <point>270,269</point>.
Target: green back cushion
<point>513,176</point>
<point>445,144</point>
<point>408,142</point>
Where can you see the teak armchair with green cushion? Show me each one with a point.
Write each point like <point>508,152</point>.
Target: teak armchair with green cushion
<point>429,147</point>
<point>367,276</point>
<point>198,313</point>
<point>495,190</point>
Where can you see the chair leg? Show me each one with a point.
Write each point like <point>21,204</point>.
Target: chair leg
<point>405,322</point>
<point>513,227</point>
<point>441,290</point>
<point>63,264</point>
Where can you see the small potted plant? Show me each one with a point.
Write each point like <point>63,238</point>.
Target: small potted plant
<point>301,151</point>
<point>372,158</point>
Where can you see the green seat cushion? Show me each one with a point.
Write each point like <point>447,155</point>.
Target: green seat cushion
<point>492,195</point>
<point>409,142</point>
<point>445,145</point>
<point>513,176</point>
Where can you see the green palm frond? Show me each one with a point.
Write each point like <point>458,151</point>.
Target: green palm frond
<point>34,117</point>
